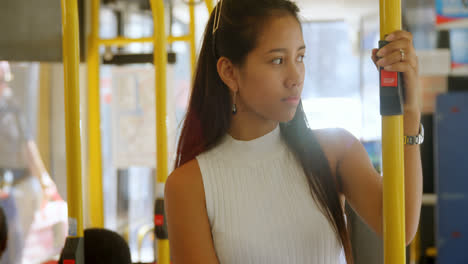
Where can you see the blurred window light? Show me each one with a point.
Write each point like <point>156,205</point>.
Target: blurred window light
<point>330,112</point>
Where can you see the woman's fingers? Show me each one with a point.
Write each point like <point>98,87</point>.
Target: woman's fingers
<point>375,58</point>
<point>396,57</point>
<point>399,34</point>
<point>396,45</point>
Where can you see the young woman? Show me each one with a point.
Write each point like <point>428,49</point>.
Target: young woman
<point>253,184</point>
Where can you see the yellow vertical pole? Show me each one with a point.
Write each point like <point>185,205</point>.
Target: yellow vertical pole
<point>415,248</point>
<point>394,196</point>
<point>73,250</point>
<point>94,121</point>
<point>160,60</point>
<point>393,157</point>
<point>193,50</point>
<point>43,115</point>
<point>71,60</point>
<point>209,5</point>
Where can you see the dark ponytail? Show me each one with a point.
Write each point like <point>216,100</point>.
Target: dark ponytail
<point>209,111</point>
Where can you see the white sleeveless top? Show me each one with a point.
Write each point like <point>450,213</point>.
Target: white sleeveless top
<point>260,207</point>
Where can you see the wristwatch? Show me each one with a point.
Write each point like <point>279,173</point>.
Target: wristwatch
<point>415,140</point>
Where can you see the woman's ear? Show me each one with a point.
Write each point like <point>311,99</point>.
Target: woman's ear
<point>228,73</point>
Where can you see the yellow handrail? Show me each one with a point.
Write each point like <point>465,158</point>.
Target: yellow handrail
<point>122,41</point>
<point>193,50</point>
<point>172,39</point>
<point>393,189</point>
<point>43,114</point>
<point>209,5</point>
<point>94,134</point>
<point>415,248</point>
<point>142,233</point>
<point>96,201</point>
<point>393,158</point>
<point>160,61</point>
<point>95,160</point>
<point>71,59</point>
<point>431,252</point>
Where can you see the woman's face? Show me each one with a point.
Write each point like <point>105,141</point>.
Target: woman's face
<point>272,77</point>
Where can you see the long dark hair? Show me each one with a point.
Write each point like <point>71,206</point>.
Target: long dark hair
<point>209,112</point>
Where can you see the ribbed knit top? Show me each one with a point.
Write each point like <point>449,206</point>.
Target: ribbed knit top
<point>260,207</point>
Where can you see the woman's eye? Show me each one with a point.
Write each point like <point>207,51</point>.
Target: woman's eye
<point>301,58</point>
<point>278,61</point>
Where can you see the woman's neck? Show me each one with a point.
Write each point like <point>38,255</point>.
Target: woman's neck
<point>246,127</point>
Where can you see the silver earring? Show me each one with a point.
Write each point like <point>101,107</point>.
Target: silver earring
<point>234,107</point>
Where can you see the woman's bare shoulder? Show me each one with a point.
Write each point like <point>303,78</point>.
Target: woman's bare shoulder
<point>188,223</point>
<point>335,141</point>
<point>186,180</point>
<point>189,171</point>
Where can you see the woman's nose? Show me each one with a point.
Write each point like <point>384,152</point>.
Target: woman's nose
<point>294,77</point>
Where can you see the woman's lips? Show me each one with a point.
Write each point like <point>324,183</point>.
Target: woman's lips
<point>294,100</point>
